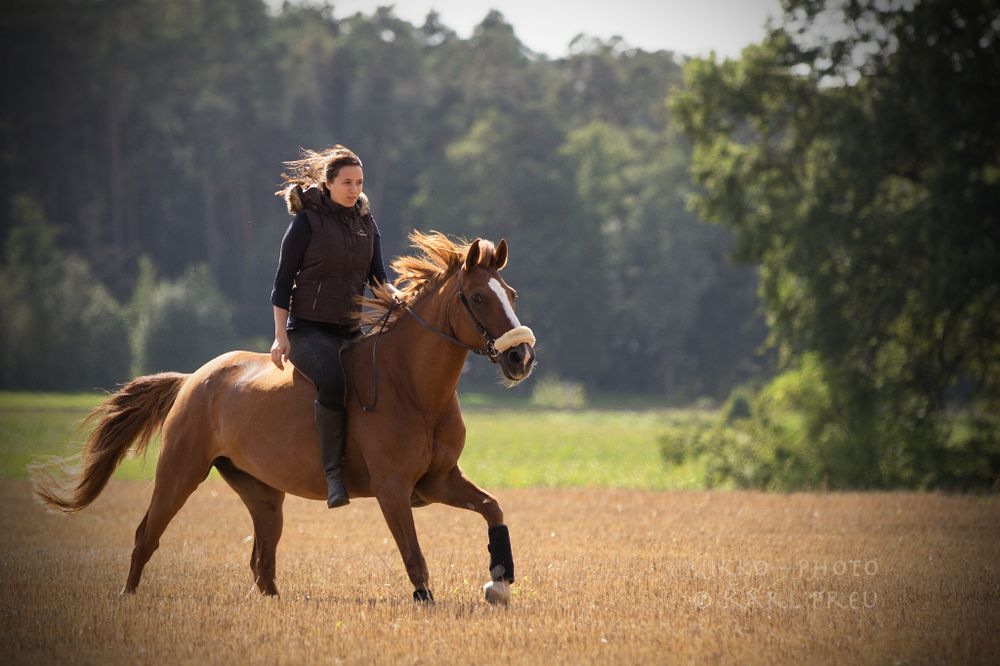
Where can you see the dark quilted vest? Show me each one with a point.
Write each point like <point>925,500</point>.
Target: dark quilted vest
<point>336,264</point>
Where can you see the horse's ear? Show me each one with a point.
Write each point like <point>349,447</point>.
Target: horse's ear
<point>500,259</point>
<point>472,258</point>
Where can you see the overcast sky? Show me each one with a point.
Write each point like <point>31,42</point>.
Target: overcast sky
<point>690,27</point>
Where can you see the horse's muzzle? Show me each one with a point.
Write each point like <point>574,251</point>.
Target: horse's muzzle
<point>518,361</point>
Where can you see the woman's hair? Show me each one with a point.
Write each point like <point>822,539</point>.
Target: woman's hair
<point>317,167</point>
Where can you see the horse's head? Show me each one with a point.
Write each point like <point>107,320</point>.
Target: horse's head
<point>490,302</point>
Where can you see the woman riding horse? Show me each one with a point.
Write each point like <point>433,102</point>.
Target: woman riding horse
<point>253,421</point>
<point>330,251</point>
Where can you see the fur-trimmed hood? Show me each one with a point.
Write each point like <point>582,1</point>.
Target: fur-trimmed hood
<point>298,199</point>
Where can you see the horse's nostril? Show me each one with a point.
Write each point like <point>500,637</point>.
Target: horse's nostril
<point>515,357</point>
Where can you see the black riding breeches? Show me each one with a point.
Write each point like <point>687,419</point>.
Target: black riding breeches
<point>315,351</point>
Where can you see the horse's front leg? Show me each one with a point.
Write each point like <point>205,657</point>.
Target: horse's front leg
<point>394,500</point>
<point>454,489</point>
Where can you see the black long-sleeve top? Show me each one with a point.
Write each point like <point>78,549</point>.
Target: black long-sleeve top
<point>293,248</point>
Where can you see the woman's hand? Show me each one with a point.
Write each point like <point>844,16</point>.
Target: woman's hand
<point>280,349</point>
<point>396,294</point>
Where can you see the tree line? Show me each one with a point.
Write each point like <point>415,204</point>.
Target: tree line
<point>143,142</point>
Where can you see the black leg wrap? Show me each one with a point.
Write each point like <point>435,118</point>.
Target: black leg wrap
<point>501,560</point>
<point>423,596</point>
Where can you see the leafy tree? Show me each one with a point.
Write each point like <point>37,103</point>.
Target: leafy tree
<point>860,170</point>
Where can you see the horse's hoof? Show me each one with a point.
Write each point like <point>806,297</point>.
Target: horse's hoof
<point>497,592</point>
<point>423,596</point>
<point>126,591</point>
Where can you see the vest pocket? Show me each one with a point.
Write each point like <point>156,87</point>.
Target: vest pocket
<point>319,289</point>
<point>333,299</point>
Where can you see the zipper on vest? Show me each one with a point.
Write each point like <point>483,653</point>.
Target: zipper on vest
<point>316,297</point>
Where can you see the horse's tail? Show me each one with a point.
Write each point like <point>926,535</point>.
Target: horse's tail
<point>133,414</point>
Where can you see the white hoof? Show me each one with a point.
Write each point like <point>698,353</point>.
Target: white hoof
<point>497,592</point>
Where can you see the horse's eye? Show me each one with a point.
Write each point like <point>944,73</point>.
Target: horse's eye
<point>476,298</point>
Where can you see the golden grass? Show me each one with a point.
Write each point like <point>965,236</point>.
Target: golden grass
<point>603,577</point>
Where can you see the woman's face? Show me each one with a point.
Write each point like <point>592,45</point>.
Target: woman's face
<point>346,186</point>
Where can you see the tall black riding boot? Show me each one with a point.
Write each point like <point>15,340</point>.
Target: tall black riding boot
<point>332,432</point>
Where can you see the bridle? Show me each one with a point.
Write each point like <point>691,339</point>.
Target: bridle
<point>488,349</point>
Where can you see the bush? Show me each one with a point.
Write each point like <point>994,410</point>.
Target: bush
<point>794,438</point>
<point>685,440</point>
<point>61,329</point>
<point>738,406</point>
<point>179,325</point>
<point>730,457</point>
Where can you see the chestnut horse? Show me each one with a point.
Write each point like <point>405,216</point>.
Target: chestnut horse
<point>254,422</point>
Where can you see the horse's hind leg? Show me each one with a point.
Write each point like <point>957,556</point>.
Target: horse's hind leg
<point>178,474</point>
<point>264,503</point>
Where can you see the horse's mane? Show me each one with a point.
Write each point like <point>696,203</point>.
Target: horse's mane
<point>437,258</point>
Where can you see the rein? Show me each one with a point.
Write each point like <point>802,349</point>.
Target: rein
<point>489,351</point>
<point>357,393</point>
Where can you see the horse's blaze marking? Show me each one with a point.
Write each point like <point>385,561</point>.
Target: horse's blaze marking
<point>508,309</point>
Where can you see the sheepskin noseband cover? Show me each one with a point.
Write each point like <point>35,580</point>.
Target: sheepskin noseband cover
<point>515,337</point>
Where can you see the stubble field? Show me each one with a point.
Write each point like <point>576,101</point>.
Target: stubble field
<point>604,576</point>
